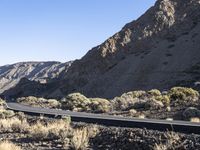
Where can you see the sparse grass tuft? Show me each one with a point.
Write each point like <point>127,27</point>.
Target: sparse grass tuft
<point>40,131</point>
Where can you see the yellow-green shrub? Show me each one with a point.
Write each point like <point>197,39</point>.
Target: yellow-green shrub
<point>100,105</point>
<point>183,93</point>
<point>135,94</point>
<point>76,101</point>
<point>164,99</point>
<point>154,92</point>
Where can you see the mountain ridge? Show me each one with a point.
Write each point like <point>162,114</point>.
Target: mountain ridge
<point>10,75</point>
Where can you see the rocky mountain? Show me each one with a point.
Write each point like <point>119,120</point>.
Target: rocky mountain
<point>159,50</point>
<point>40,72</point>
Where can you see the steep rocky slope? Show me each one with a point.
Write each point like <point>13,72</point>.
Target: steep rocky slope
<point>159,50</point>
<point>41,72</point>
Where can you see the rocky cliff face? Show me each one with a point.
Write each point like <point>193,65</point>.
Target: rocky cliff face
<point>160,49</point>
<point>40,72</point>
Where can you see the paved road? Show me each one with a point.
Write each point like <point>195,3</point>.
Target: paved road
<point>108,120</point>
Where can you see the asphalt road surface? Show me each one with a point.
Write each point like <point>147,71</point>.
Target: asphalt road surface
<point>108,120</point>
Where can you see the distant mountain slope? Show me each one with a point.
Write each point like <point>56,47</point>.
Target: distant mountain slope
<point>41,72</point>
<point>161,49</point>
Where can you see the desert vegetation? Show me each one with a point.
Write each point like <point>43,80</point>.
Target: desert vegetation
<point>39,102</point>
<point>20,131</point>
<point>58,132</point>
<point>173,103</point>
<point>78,102</point>
<point>29,133</point>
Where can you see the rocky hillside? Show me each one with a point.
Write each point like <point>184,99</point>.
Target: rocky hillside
<point>159,50</point>
<point>41,72</point>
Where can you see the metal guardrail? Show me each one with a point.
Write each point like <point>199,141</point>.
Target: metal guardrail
<point>109,120</point>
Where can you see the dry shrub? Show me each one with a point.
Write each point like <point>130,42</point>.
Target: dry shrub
<point>93,130</point>
<point>2,102</point>
<point>127,100</point>
<point>100,105</point>
<point>137,94</point>
<point>6,145</point>
<point>76,102</point>
<point>77,139</point>
<point>13,125</point>
<point>171,140</point>
<point>40,131</point>
<point>39,102</point>
<point>124,102</point>
<point>79,102</point>
<point>80,139</point>
<point>160,147</point>
<point>164,99</point>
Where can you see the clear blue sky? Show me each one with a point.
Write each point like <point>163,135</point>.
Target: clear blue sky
<point>61,30</point>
